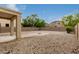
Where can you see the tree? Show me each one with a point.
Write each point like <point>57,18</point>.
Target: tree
<point>24,23</point>
<point>70,21</point>
<point>33,21</point>
<point>39,23</point>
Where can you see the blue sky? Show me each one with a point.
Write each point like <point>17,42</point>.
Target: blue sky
<point>48,12</point>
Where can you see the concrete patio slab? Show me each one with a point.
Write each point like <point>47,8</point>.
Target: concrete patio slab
<point>5,37</point>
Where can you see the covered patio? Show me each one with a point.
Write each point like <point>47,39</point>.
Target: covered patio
<point>12,15</point>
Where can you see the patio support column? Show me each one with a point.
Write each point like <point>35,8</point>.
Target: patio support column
<point>12,26</point>
<point>18,27</point>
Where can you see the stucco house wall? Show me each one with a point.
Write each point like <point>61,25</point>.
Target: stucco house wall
<point>3,22</point>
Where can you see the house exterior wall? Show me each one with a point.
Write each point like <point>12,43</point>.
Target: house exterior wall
<point>57,25</point>
<point>3,22</point>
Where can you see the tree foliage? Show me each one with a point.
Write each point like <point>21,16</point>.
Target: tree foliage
<point>33,21</point>
<point>39,23</point>
<point>70,21</point>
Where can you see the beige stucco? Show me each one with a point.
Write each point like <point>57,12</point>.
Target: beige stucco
<point>3,22</point>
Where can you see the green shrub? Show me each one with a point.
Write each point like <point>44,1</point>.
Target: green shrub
<point>70,21</point>
<point>69,29</point>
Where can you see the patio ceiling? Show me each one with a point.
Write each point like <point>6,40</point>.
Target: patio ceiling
<point>7,13</point>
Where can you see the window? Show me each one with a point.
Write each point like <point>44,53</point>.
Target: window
<point>7,25</point>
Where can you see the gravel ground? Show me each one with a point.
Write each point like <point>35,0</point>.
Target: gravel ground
<point>53,43</point>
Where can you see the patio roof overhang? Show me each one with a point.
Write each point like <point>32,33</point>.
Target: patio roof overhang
<point>7,13</point>
<point>11,15</point>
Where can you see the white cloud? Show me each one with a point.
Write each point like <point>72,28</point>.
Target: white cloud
<point>23,7</point>
<point>9,6</point>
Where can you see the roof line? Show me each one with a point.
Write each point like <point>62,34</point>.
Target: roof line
<point>10,10</point>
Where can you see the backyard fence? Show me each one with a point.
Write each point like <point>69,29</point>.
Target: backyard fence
<point>7,29</point>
